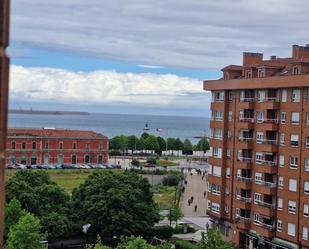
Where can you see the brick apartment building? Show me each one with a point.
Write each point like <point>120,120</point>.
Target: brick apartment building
<point>55,146</point>
<point>258,191</point>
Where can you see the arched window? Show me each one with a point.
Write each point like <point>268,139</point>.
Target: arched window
<point>87,159</point>
<point>74,159</point>
<point>13,145</point>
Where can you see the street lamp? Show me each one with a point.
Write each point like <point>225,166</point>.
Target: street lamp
<point>86,228</point>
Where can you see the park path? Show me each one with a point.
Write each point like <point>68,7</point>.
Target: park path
<point>195,187</point>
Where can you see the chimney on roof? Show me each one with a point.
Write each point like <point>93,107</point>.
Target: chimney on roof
<point>299,52</point>
<point>273,57</point>
<point>251,58</point>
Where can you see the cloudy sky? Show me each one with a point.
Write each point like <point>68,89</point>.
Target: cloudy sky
<point>140,56</point>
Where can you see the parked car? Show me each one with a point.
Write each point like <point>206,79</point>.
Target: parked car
<point>84,166</point>
<point>48,166</point>
<point>100,166</point>
<point>20,166</point>
<point>58,166</point>
<point>149,165</point>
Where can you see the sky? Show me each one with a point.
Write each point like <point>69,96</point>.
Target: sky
<point>141,57</point>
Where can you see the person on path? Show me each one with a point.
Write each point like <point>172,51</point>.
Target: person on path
<point>189,202</point>
<point>192,198</point>
<point>195,208</point>
<point>207,226</point>
<point>204,194</point>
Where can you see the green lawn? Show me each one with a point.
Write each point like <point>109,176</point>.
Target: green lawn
<point>164,196</point>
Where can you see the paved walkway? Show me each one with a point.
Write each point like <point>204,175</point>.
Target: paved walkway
<point>195,187</point>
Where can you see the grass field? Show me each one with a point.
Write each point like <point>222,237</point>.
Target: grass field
<point>164,196</point>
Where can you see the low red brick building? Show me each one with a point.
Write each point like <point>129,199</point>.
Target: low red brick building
<point>55,146</point>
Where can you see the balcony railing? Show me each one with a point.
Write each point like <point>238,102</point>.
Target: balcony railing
<point>268,120</point>
<point>245,159</point>
<point>265,204</point>
<point>243,219</point>
<point>244,179</point>
<point>266,184</point>
<point>269,99</point>
<point>246,119</point>
<point>267,226</point>
<point>245,139</point>
<point>246,99</point>
<point>266,162</point>
<point>244,199</point>
<point>266,141</point>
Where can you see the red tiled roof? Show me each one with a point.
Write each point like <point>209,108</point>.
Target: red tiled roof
<point>232,68</point>
<point>55,133</point>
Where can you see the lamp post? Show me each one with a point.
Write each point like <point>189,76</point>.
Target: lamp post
<point>86,228</point>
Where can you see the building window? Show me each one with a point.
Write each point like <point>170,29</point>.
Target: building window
<point>292,207</point>
<point>258,178</point>
<point>306,187</point>
<point>296,95</point>
<point>248,74</point>
<point>46,145</point>
<point>74,146</point>
<point>257,198</point>
<point>219,96</point>
<point>46,159</point>
<point>216,189</point>
<point>307,141</point>
<point>293,185</point>
<point>306,210</point>
<point>87,146</point>
<point>33,145</point>
<point>261,73</point>
<point>282,139</point>
<point>307,118</point>
<point>291,229</point>
<point>280,203</point>
<point>13,145</point>
<point>281,160</point>
<point>218,116</point>
<point>294,140</point>
<point>283,117</point>
<point>228,172</point>
<point>100,159</point>
<point>74,159</point>
<point>258,157</point>
<point>226,209</point>
<point>229,133</point>
<point>307,164</point>
<point>101,145</point>
<point>217,152</point>
<point>260,117</point>
<point>215,207</point>
<point>231,96</point>
<point>305,233</point>
<point>256,218</point>
<point>295,118</point>
<point>60,159</point>
<point>228,153</point>
<point>87,159</point>
<point>261,95</point>
<point>230,115</point>
<point>279,225</point>
<point>23,145</point>
<point>259,137</point>
<point>280,182</point>
<point>61,145</point>
<point>13,159</point>
<point>284,95</point>
<point>216,171</point>
<point>293,162</point>
<point>296,70</point>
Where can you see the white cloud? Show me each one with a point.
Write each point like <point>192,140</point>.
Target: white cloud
<point>104,87</point>
<point>150,66</point>
<point>181,33</point>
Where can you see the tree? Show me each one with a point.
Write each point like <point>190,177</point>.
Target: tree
<point>203,145</point>
<point>39,195</point>
<point>25,234</point>
<point>114,143</point>
<point>134,243</point>
<point>213,240</point>
<point>187,146</point>
<point>178,145</point>
<point>13,212</point>
<point>152,143</point>
<point>171,143</point>
<point>162,145</point>
<point>115,203</point>
<point>132,142</point>
<point>175,214</point>
<point>123,140</point>
<point>97,245</point>
<point>145,135</point>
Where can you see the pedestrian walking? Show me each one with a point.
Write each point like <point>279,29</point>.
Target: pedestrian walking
<point>189,202</point>
<point>207,226</point>
<point>192,198</point>
<point>195,208</point>
<point>191,174</point>
<point>204,194</point>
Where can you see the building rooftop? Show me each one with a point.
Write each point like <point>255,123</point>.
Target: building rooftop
<point>55,133</point>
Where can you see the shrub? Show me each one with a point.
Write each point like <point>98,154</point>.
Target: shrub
<point>135,162</point>
<point>152,160</point>
<point>180,229</point>
<point>183,244</point>
<point>163,231</point>
<point>171,180</point>
<point>115,153</point>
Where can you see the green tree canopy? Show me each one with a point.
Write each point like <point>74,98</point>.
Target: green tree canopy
<point>187,145</point>
<point>39,195</point>
<point>132,142</point>
<point>213,240</point>
<point>25,234</point>
<point>134,243</point>
<point>175,214</point>
<point>97,245</point>
<point>115,203</point>
<point>203,145</point>
<point>114,143</point>
<point>171,143</point>
<point>162,145</point>
<point>152,143</point>
<point>145,135</point>
<point>178,144</point>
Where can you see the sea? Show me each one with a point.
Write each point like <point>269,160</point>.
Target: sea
<point>117,124</point>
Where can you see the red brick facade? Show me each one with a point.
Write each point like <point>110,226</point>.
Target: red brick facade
<point>55,146</point>
<point>259,173</point>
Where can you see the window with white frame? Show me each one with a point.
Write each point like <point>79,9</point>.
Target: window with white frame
<point>217,133</point>
<point>216,171</point>
<point>260,117</point>
<point>209,169</point>
<point>259,137</point>
<point>228,153</point>
<point>281,160</point>
<point>257,198</point>
<point>258,178</point>
<point>226,208</point>
<point>216,189</point>
<point>219,96</point>
<point>229,133</point>
<point>306,210</point>
<point>294,140</point>
<point>283,117</point>
<point>218,115</point>
<point>217,152</point>
<point>279,225</point>
<point>282,139</point>
<point>296,95</point>
<point>208,204</point>
<point>280,204</point>
<point>295,118</point>
<point>258,157</point>
<point>307,164</point>
<point>293,162</point>
<point>227,190</point>
<point>292,207</point>
<point>284,95</point>
<point>305,233</point>
<point>307,141</point>
<point>291,229</point>
<point>237,212</point>
<point>228,172</point>
<point>230,115</point>
<point>238,173</point>
<point>280,182</point>
<point>261,96</point>
<point>215,207</point>
<point>307,118</point>
<point>293,185</point>
<point>256,218</point>
<point>306,187</point>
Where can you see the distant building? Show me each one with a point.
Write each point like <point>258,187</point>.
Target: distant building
<point>259,178</point>
<point>55,146</point>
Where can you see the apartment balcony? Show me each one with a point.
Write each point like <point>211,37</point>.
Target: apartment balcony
<point>270,103</point>
<point>245,123</point>
<point>214,197</point>
<point>264,230</point>
<point>243,223</point>
<point>216,142</point>
<point>267,124</point>
<point>215,161</point>
<point>266,209</point>
<point>242,202</point>
<point>219,105</point>
<point>268,188</point>
<point>244,162</point>
<point>266,145</point>
<point>243,182</point>
<point>268,168</point>
<point>266,162</point>
<point>214,179</point>
<point>246,103</point>
<point>245,143</point>
<point>216,123</point>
